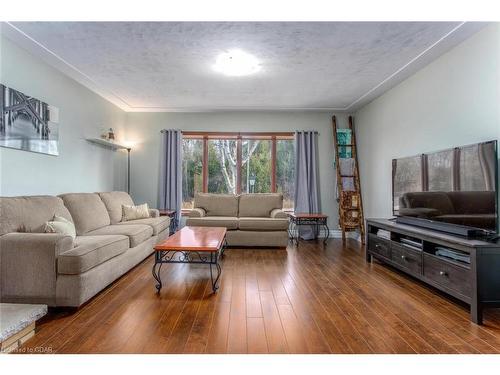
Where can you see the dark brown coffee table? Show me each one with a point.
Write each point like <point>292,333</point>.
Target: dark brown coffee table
<point>195,245</point>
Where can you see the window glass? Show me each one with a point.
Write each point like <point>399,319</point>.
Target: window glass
<point>192,170</point>
<point>256,170</point>
<point>285,170</point>
<point>222,166</point>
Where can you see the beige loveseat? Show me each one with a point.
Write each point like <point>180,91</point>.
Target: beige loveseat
<point>251,219</point>
<point>53,269</point>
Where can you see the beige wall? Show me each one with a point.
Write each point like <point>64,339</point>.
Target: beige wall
<point>453,101</point>
<point>144,128</point>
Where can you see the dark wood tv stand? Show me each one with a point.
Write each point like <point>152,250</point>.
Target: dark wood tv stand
<point>477,283</point>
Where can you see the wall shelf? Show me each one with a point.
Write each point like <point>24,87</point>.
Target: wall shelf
<point>103,142</point>
<point>114,146</point>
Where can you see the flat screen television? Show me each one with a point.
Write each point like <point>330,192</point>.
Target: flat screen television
<point>449,190</point>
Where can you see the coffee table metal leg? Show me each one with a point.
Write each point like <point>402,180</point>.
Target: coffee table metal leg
<point>327,233</point>
<point>224,245</point>
<point>219,269</point>
<point>156,273</point>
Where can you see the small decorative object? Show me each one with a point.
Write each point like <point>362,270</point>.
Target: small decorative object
<point>111,134</point>
<point>27,123</point>
<point>104,134</point>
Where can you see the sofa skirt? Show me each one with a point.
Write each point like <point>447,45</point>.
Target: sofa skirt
<point>257,238</point>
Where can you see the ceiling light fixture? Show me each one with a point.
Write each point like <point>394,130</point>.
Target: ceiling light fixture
<point>236,63</point>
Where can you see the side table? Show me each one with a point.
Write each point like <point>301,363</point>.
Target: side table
<point>298,219</point>
<point>173,219</point>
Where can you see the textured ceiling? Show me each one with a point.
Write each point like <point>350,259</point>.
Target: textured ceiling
<point>161,66</point>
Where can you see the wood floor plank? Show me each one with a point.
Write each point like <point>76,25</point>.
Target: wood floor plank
<point>198,337</point>
<point>307,299</point>
<point>293,330</point>
<point>256,336</point>
<point>217,340</point>
<point>237,333</point>
<point>444,340</point>
<point>272,322</point>
<point>441,320</point>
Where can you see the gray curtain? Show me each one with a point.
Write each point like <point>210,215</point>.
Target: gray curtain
<point>307,199</point>
<point>170,188</point>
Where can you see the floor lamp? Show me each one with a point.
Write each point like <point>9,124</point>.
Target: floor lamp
<point>128,169</point>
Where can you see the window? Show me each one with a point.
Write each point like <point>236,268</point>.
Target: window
<point>256,171</point>
<point>235,163</point>
<point>192,169</point>
<point>222,166</point>
<point>285,170</point>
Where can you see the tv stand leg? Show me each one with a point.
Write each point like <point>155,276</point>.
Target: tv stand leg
<point>368,257</point>
<point>476,313</point>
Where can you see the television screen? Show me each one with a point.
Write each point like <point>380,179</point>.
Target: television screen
<point>455,186</point>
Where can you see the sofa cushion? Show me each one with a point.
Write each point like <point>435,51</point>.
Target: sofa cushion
<point>259,205</point>
<point>213,221</point>
<point>130,213</point>
<point>88,211</point>
<point>114,200</point>
<point>158,224</point>
<point>62,226</point>
<point>217,204</point>
<point>29,214</point>
<point>137,233</point>
<point>90,251</point>
<point>262,223</point>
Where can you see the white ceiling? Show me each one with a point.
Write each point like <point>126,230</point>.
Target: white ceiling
<point>167,66</point>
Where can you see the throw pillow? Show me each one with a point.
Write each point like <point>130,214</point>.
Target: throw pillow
<point>135,212</point>
<point>61,225</point>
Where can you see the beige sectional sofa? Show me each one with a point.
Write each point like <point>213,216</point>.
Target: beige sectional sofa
<point>53,269</point>
<point>251,219</point>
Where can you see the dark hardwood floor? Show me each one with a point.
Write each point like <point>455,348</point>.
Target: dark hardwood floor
<point>310,299</point>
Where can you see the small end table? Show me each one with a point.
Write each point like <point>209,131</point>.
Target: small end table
<point>172,214</point>
<point>316,220</point>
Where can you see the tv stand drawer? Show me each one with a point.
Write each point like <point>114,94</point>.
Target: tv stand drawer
<point>448,275</point>
<point>407,258</point>
<point>379,246</point>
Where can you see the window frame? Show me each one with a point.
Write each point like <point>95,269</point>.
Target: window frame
<point>239,137</point>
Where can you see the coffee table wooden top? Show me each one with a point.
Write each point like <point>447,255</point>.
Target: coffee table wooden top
<point>300,215</point>
<point>194,239</point>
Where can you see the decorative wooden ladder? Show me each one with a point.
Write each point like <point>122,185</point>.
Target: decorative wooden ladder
<point>351,216</point>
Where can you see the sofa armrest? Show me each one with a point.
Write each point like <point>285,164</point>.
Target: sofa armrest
<point>197,212</point>
<point>28,266</point>
<point>153,212</point>
<point>278,213</point>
